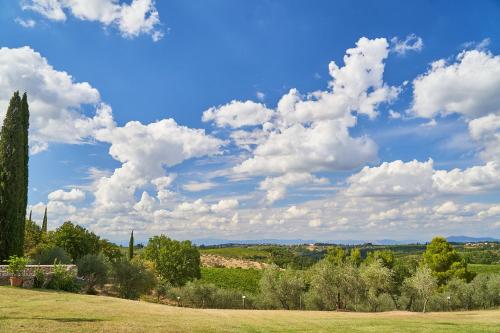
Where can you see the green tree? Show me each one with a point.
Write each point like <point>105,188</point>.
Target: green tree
<point>131,246</point>
<point>335,255</point>
<point>384,257</point>
<point>176,262</point>
<point>282,288</point>
<point>13,177</point>
<point>445,262</point>
<point>355,257</point>
<point>378,280</point>
<point>132,278</point>
<point>422,284</point>
<point>32,235</point>
<point>110,250</point>
<point>334,286</point>
<point>94,271</point>
<point>44,223</point>
<point>76,240</point>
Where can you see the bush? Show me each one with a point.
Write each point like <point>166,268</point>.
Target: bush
<point>94,271</point>
<point>39,279</point>
<point>63,279</point>
<point>48,255</point>
<point>281,289</point>
<point>176,262</point>
<point>17,265</point>
<point>132,278</point>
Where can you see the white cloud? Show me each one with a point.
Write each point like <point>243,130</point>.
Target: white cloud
<point>475,179</point>
<point>238,114</point>
<point>449,207</point>
<point>393,179</point>
<point>260,95</point>
<point>131,19</point>
<point>394,114</point>
<point>198,186</point>
<point>411,43</point>
<point>225,205</point>
<point>144,151</point>
<point>56,101</point>
<point>468,86</point>
<point>29,23</point>
<point>72,195</point>
<point>276,187</point>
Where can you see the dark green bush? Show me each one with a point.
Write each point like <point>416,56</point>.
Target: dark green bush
<point>93,270</point>
<point>132,278</point>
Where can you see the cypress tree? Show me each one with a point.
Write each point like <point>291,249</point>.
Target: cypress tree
<point>44,223</point>
<point>131,246</point>
<point>29,219</point>
<point>13,177</point>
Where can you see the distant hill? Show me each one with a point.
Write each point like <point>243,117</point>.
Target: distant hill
<point>467,239</point>
<point>215,241</point>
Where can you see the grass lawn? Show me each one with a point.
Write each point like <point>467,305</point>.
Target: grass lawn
<point>487,269</point>
<point>24,310</point>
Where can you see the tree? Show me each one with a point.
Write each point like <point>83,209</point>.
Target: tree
<point>445,262</point>
<point>131,246</point>
<point>335,286</point>
<point>176,262</point>
<point>378,280</point>
<point>76,240</point>
<point>110,250</point>
<point>32,235</point>
<point>355,257</point>
<point>94,271</point>
<point>336,255</point>
<point>423,284</point>
<point>386,258</point>
<point>132,278</point>
<point>282,288</point>
<point>13,177</point>
<point>44,223</point>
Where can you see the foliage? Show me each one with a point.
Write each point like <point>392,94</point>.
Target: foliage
<point>386,258</point>
<point>336,255</point>
<point>422,284</point>
<point>94,271</point>
<point>132,278</point>
<point>63,279</point>
<point>131,246</point>
<point>282,289</point>
<point>47,254</point>
<point>32,235</point>
<point>76,240</point>
<point>44,222</point>
<point>17,265</point>
<point>486,269</point>
<point>377,279</point>
<point>334,286</point>
<point>39,279</point>
<point>256,253</point>
<point>176,262</point>
<point>245,280</point>
<point>445,262</point>
<point>14,157</point>
<point>110,250</point>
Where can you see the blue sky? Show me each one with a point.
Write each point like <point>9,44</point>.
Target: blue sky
<point>177,59</point>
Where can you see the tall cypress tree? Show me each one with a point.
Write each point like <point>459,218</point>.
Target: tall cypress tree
<point>44,223</point>
<point>13,177</point>
<point>131,246</point>
<point>29,219</point>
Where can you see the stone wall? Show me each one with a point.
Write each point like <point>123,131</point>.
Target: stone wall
<point>30,270</point>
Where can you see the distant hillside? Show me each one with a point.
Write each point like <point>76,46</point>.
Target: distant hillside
<point>467,239</point>
<point>215,241</point>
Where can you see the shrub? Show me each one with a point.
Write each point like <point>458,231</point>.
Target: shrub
<point>94,271</point>
<point>63,279</point>
<point>17,265</point>
<point>132,278</point>
<point>39,279</point>
<point>281,289</point>
<point>48,255</point>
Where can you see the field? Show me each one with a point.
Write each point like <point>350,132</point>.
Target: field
<point>232,278</point>
<point>251,253</point>
<point>486,269</point>
<point>24,310</point>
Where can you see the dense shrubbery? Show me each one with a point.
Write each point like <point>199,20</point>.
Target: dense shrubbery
<point>132,278</point>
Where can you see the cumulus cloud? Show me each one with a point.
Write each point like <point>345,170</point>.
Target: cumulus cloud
<point>411,43</point>
<point>469,86</point>
<point>72,195</point>
<point>131,19</point>
<point>224,205</point>
<point>276,187</point>
<point>56,100</point>
<point>198,186</point>
<point>145,151</point>
<point>238,114</point>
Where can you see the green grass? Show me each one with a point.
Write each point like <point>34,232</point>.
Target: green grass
<point>486,269</point>
<point>24,310</point>
<point>250,253</point>
<point>246,280</point>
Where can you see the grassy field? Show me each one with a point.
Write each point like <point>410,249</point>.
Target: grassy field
<point>232,278</point>
<point>251,253</point>
<point>24,310</point>
<point>487,269</point>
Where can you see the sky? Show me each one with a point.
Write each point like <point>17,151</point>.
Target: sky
<point>329,120</point>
